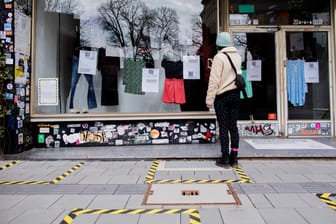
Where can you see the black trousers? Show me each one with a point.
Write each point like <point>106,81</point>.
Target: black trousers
<point>227,112</point>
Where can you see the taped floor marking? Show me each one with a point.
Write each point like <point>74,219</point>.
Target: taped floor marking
<point>194,216</point>
<point>9,165</point>
<point>54,181</point>
<point>155,165</point>
<point>326,198</point>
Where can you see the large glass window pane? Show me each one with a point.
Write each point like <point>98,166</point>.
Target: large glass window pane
<point>260,74</point>
<point>307,72</point>
<point>122,56</point>
<point>291,12</point>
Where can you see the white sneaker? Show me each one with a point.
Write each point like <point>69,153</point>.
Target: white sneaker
<point>74,111</point>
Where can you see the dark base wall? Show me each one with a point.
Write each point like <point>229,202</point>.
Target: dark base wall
<point>103,133</point>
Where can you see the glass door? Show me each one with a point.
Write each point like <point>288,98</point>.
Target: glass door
<point>258,53</point>
<point>307,83</point>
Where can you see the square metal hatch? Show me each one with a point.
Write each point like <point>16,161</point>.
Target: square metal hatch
<point>190,194</point>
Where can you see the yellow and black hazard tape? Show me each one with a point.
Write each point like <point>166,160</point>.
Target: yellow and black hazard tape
<point>151,174</point>
<point>9,165</point>
<point>67,173</point>
<point>325,197</point>
<point>54,181</point>
<point>194,216</point>
<point>242,175</point>
<point>23,182</point>
<point>152,170</point>
<point>189,181</point>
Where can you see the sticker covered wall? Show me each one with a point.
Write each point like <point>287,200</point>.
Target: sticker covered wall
<point>95,133</point>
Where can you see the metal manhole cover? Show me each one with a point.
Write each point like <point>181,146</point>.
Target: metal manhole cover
<point>190,194</point>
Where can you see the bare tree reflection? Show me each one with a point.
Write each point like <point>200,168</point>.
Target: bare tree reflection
<point>128,21</point>
<point>165,27</point>
<point>64,6</point>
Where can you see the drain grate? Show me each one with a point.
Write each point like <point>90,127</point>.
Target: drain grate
<point>190,193</point>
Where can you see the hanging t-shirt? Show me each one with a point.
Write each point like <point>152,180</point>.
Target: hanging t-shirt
<point>296,85</point>
<point>248,87</point>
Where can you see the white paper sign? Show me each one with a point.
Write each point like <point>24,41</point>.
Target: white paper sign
<point>87,62</point>
<point>47,91</point>
<point>22,33</point>
<point>113,51</point>
<point>253,70</point>
<point>311,72</point>
<point>150,80</point>
<point>191,67</point>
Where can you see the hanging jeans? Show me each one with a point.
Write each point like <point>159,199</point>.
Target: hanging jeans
<point>91,97</point>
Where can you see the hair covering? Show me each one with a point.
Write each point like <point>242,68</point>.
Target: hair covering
<point>224,40</point>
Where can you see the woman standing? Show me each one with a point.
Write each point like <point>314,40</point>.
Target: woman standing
<point>224,96</point>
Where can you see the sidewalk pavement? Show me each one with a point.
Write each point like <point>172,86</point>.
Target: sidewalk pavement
<point>104,192</point>
<point>324,147</point>
<point>278,181</point>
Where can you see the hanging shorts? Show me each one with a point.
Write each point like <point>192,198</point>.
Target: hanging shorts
<point>173,91</point>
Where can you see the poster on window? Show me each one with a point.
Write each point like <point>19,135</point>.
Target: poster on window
<point>191,67</point>
<point>311,71</point>
<point>87,62</point>
<point>150,80</point>
<point>253,70</point>
<point>47,91</point>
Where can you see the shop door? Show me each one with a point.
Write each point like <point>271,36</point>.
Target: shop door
<point>258,51</point>
<point>307,81</point>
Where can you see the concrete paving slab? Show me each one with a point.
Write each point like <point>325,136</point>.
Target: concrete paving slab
<point>281,216</point>
<point>37,216</point>
<point>72,201</point>
<point>109,201</point>
<point>286,200</point>
<point>125,189</point>
<point>257,188</point>
<point>37,202</point>
<point>61,217</point>
<point>124,179</point>
<point>313,201</point>
<point>124,219</point>
<point>117,170</point>
<point>100,189</point>
<point>294,178</point>
<point>320,177</point>
<point>288,187</point>
<point>316,187</point>
<point>135,201</point>
<point>6,215</point>
<point>159,218</point>
<point>86,218</point>
<point>209,216</point>
<point>259,201</point>
<point>241,216</point>
<point>95,179</point>
<point>10,201</point>
<point>318,215</point>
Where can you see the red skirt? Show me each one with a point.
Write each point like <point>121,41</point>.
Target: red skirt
<point>173,91</point>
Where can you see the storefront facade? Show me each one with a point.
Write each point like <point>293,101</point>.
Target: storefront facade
<point>136,72</point>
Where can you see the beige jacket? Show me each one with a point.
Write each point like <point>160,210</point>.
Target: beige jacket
<point>222,76</point>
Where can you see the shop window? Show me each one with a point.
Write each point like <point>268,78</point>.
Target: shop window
<point>122,56</point>
<point>290,12</point>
